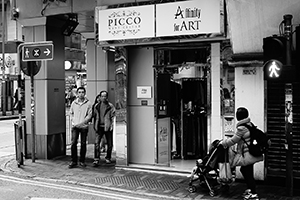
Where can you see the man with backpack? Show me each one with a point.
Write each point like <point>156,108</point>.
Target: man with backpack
<point>242,157</point>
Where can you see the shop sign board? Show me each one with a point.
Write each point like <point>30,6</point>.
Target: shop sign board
<point>188,18</point>
<point>163,140</point>
<point>126,23</point>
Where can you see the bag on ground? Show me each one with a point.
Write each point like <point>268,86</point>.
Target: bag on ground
<point>225,174</point>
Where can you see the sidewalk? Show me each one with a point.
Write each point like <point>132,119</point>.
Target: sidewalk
<point>148,182</point>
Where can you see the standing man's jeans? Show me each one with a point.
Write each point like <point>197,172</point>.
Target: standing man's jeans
<point>109,139</point>
<point>75,135</point>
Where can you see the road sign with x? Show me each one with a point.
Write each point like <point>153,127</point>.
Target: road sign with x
<point>37,52</point>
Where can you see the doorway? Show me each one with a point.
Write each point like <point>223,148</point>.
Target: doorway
<point>181,100</point>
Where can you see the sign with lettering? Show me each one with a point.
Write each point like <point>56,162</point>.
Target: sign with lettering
<point>126,23</point>
<point>249,71</point>
<point>163,139</point>
<point>144,92</point>
<point>188,18</point>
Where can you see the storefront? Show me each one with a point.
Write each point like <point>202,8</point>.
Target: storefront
<point>167,88</point>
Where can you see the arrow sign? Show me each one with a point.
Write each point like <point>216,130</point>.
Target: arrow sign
<point>37,52</point>
<point>47,52</point>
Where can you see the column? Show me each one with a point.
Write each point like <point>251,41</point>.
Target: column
<point>216,123</point>
<point>49,92</point>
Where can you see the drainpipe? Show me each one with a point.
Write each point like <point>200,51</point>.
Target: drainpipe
<point>3,62</point>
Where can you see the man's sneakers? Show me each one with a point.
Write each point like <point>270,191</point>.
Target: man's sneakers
<point>72,165</point>
<point>251,196</point>
<point>96,163</point>
<point>248,195</point>
<point>247,192</point>
<point>82,164</point>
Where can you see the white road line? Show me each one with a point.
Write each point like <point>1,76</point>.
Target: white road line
<point>38,198</point>
<point>71,188</point>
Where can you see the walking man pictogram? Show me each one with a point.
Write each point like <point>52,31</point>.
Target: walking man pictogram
<point>274,70</point>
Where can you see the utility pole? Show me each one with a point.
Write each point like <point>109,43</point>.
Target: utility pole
<point>289,108</point>
<point>3,62</point>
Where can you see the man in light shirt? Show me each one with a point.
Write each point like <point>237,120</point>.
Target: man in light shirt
<point>80,113</point>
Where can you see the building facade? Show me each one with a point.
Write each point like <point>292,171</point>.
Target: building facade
<point>176,71</point>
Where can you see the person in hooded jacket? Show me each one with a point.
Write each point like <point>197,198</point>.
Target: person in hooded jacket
<point>242,156</point>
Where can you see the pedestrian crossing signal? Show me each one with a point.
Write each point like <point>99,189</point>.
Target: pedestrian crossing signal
<point>272,69</point>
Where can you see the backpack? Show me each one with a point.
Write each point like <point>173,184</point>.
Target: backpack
<point>259,141</point>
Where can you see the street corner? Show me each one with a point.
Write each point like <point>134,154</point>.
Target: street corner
<point>9,165</point>
<point>26,169</point>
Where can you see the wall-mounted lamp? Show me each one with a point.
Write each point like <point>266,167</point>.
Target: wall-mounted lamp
<point>14,13</point>
<point>68,65</point>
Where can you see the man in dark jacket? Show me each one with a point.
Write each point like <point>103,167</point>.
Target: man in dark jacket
<point>104,113</point>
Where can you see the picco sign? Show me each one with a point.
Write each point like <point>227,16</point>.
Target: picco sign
<point>272,69</point>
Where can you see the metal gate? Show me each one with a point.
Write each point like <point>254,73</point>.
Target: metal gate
<point>276,157</point>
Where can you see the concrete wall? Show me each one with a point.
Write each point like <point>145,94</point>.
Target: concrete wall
<point>250,21</point>
<point>141,134</point>
<point>96,70</point>
<point>249,93</point>
<point>215,118</point>
<point>100,72</point>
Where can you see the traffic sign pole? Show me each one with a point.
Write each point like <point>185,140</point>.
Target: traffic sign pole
<point>32,117</point>
<point>20,160</point>
<point>288,109</point>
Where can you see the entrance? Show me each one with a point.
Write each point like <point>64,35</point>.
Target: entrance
<point>181,103</point>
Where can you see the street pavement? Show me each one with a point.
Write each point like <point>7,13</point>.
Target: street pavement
<point>149,182</point>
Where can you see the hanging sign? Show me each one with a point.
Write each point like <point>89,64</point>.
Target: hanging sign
<point>188,18</point>
<point>126,23</point>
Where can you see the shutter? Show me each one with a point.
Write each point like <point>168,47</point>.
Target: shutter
<point>276,156</point>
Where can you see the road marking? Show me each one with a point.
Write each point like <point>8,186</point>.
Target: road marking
<point>81,190</point>
<point>35,198</point>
